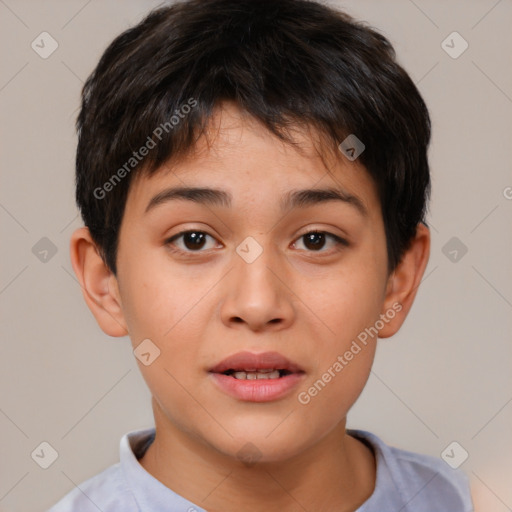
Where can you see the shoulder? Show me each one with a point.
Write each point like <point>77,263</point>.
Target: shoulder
<point>415,481</point>
<point>107,491</point>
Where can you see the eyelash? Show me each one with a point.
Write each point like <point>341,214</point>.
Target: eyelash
<point>169,242</point>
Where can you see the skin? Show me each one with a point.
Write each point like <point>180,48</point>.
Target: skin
<point>307,303</point>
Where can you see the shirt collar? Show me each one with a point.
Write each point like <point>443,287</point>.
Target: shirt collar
<point>150,494</point>
<point>385,495</point>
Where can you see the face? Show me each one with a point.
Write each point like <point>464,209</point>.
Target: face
<point>250,269</point>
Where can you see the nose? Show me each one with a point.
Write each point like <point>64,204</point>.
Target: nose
<point>256,294</point>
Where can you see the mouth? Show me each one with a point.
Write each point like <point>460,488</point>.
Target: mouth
<point>251,366</point>
<point>255,374</point>
<point>254,377</point>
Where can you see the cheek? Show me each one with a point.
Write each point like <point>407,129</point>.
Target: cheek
<point>329,395</point>
<point>158,296</point>
<point>165,307</point>
<point>347,300</point>
<point>348,305</point>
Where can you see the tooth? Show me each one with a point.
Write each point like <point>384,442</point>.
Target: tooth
<point>254,370</point>
<point>256,375</point>
<point>274,374</point>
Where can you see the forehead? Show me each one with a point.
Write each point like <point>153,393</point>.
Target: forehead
<point>238,161</point>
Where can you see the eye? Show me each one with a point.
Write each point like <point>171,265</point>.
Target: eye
<point>193,240</point>
<point>315,240</point>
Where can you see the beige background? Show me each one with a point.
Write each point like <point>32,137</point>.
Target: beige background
<point>445,377</point>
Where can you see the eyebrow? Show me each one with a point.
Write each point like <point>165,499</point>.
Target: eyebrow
<point>290,200</point>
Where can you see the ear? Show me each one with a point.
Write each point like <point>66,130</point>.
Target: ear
<point>98,283</point>
<point>404,281</point>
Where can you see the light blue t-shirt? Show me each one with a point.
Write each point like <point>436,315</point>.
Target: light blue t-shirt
<point>406,482</point>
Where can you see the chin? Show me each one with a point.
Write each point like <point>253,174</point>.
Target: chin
<point>263,444</point>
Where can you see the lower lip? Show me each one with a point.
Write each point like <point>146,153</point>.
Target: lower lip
<point>258,390</point>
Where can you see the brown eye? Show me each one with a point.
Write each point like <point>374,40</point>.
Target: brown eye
<point>192,240</point>
<point>314,241</point>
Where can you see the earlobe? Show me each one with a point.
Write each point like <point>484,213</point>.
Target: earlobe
<point>98,283</point>
<point>403,283</point>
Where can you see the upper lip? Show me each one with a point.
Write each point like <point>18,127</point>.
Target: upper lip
<point>250,361</point>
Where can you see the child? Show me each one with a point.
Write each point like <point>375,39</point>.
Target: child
<point>253,180</point>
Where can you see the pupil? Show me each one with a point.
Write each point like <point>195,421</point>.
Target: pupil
<point>310,239</point>
<point>194,240</point>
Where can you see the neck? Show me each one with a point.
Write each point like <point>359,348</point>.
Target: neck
<point>337,473</point>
